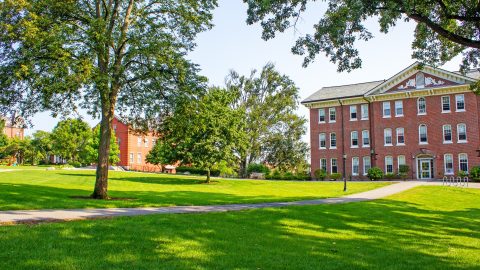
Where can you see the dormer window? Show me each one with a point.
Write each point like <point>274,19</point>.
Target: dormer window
<point>420,80</point>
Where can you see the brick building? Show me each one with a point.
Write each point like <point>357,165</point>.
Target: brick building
<point>134,149</point>
<point>13,130</point>
<point>425,118</point>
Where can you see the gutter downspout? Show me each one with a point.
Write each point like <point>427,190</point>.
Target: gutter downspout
<point>344,156</point>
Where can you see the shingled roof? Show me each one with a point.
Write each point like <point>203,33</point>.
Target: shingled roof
<point>342,91</point>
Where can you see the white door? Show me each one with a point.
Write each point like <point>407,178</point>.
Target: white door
<point>425,169</point>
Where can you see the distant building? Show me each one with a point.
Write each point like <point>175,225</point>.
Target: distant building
<point>428,119</point>
<point>134,149</point>
<point>14,130</point>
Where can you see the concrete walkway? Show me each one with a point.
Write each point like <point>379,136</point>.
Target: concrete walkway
<point>27,216</point>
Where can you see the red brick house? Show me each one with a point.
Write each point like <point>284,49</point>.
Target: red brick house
<point>427,118</point>
<point>14,130</point>
<point>134,149</point>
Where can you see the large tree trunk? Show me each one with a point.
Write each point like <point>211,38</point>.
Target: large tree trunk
<point>101,183</point>
<point>243,168</point>
<point>208,176</point>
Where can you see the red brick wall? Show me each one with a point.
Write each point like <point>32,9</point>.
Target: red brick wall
<point>14,132</point>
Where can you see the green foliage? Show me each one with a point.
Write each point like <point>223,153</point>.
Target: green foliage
<point>89,154</point>
<point>70,138</point>
<point>196,171</point>
<point>390,176</point>
<point>43,144</point>
<point>463,174</point>
<point>335,176</point>
<point>475,173</point>
<point>444,29</point>
<point>224,169</point>
<point>403,171</point>
<point>375,173</point>
<point>320,174</point>
<point>258,168</point>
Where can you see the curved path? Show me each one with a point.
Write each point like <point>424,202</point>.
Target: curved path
<point>27,216</point>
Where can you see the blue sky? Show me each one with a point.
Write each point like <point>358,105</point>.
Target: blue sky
<point>232,44</point>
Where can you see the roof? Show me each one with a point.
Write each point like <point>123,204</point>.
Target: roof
<point>473,73</point>
<point>342,91</point>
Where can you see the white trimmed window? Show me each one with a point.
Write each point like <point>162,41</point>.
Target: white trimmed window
<point>447,134</point>
<point>354,139</point>
<point>398,108</point>
<point>332,115</point>
<point>146,142</point>
<point>333,165</point>
<point>387,136</point>
<point>386,109</point>
<point>462,133</point>
<point>353,113</point>
<point>132,158</point>
<point>333,141</point>
<point>321,115</point>
<point>323,164</point>
<point>460,103</point>
<point>388,164</point>
<point>139,141</point>
<point>422,134</point>
<point>365,138</point>
<point>419,80</point>
<point>355,165</point>
<point>463,162</point>
<point>366,165</point>
<point>364,111</point>
<point>400,136</point>
<point>448,164</point>
<point>421,106</point>
<point>445,104</point>
<point>401,161</point>
<point>322,141</point>
<point>139,158</point>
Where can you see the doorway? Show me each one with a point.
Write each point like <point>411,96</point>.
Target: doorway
<point>425,168</point>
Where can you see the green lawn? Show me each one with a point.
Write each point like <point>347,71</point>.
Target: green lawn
<point>423,228</point>
<point>41,189</point>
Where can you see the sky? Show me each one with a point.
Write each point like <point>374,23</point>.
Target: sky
<point>233,45</point>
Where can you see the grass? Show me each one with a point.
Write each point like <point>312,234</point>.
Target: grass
<point>41,189</point>
<point>424,228</point>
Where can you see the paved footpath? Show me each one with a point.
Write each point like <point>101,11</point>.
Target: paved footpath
<point>27,216</point>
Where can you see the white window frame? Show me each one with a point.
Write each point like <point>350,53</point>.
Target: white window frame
<point>418,106</point>
<point>331,165</point>
<point>386,164</point>
<point>139,158</point>
<point>351,139</point>
<point>449,104</point>
<point>401,163</point>
<point>320,140</point>
<point>132,157</point>
<point>353,109</point>
<point>139,141</point>
<point>398,105</point>
<point>324,116</point>
<point>384,108</point>
<point>330,111</point>
<point>355,161</point>
<point>445,171</point>
<point>456,103</point>
<point>403,134</point>
<point>146,142</point>
<point>420,80</point>
<point>458,133</point>
<point>419,134</point>
<point>460,161</point>
<point>385,137</point>
<point>451,134</point>
<point>363,138</point>
<point>365,170</point>
<point>364,109</point>
<point>333,147</point>
<point>321,165</point>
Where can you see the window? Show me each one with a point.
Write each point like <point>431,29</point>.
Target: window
<point>333,165</point>
<point>462,133</point>
<point>388,164</point>
<point>333,140</point>
<point>387,136</point>
<point>398,108</point>
<point>354,139</point>
<point>386,109</point>
<point>321,115</point>
<point>322,139</point>
<point>463,162</point>
<point>353,113</point>
<point>139,141</point>
<point>131,158</point>
<point>364,111</point>
<point>422,134</point>
<point>447,134</point>
<point>366,165</point>
<point>139,158</point>
<point>448,164</point>
<point>154,142</point>
<point>119,141</point>
<point>421,106</point>
<point>332,115</point>
<point>146,142</point>
<point>446,104</point>
<point>355,165</point>
<point>365,138</point>
<point>401,161</point>
<point>323,164</point>
<point>460,103</point>
<point>400,136</point>
<point>420,80</point>
<point>115,128</point>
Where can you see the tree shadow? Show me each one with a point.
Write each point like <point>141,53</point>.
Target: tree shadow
<point>150,179</point>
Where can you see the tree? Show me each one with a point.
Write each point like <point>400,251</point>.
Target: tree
<point>43,144</point>
<point>70,137</point>
<point>100,55</point>
<point>202,133</point>
<point>269,101</point>
<point>445,28</point>
<point>90,153</point>
<point>3,139</point>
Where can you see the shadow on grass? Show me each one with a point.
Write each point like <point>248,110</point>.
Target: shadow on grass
<point>150,179</point>
<point>375,235</point>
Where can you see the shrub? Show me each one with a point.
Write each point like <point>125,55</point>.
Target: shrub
<point>375,173</point>
<point>462,173</point>
<point>198,171</point>
<point>276,175</point>
<point>75,164</point>
<point>257,168</point>
<point>335,176</point>
<point>475,173</point>
<point>303,176</point>
<point>390,176</point>
<point>403,171</point>
<point>320,174</point>
<point>288,176</point>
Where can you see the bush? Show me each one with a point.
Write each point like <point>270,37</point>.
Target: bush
<point>390,176</point>
<point>303,176</point>
<point>403,171</point>
<point>75,164</point>
<point>462,173</point>
<point>335,176</point>
<point>320,174</point>
<point>375,173</point>
<point>197,171</point>
<point>257,168</point>
<point>475,173</point>
<point>276,175</point>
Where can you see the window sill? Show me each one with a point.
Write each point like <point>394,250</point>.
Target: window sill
<point>353,120</point>
<point>322,122</point>
<point>400,115</point>
<point>322,148</point>
<point>449,173</point>
<point>333,147</point>
<point>460,110</point>
<point>387,116</point>
<point>354,174</point>
<point>366,146</point>
<point>447,142</point>
<point>462,141</point>
<point>388,145</point>
<point>331,122</point>
<point>400,144</point>
<point>418,114</point>
<point>354,146</point>
<point>363,119</point>
<point>423,143</point>
<point>446,111</point>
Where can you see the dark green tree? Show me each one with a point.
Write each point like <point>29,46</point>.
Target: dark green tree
<point>90,153</point>
<point>3,139</point>
<point>445,28</point>
<point>70,137</point>
<point>42,142</point>
<point>105,56</point>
